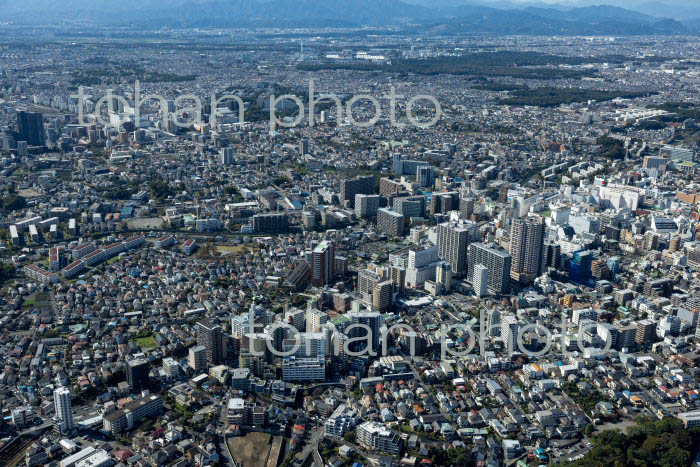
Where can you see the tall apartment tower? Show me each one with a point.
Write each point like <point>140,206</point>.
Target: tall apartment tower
<point>210,336</point>
<point>227,156</point>
<point>372,320</point>
<point>8,139</point>
<point>425,175</point>
<point>498,262</point>
<point>509,333</point>
<point>197,358</point>
<point>315,319</point>
<point>494,321</point>
<point>390,223</point>
<point>137,373</point>
<point>526,248</point>
<point>63,409</point>
<point>22,150</point>
<point>443,275</point>
<point>466,206</point>
<point>323,264</point>
<point>31,128</point>
<point>452,242</point>
<point>382,296</point>
<point>355,186</point>
<point>366,206</point>
<point>480,280</point>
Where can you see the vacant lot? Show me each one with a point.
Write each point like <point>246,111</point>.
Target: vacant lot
<point>28,193</point>
<point>252,450</point>
<point>236,250</point>
<point>146,342</point>
<point>40,300</point>
<point>146,223</point>
<point>211,250</point>
<point>621,425</point>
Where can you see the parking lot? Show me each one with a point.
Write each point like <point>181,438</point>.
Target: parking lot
<point>570,452</point>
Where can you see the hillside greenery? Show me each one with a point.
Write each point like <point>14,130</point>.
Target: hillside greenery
<point>649,443</point>
<point>552,97</point>
<point>515,64</point>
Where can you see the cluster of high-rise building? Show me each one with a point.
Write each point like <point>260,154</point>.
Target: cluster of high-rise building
<point>327,281</point>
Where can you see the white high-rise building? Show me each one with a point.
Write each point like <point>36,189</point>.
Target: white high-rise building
<point>171,367</point>
<point>481,280</point>
<point>560,214</point>
<point>509,333</point>
<point>443,275</point>
<point>421,266</point>
<point>377,436</point>
<point>366,206</point>
<point>303,369</point>
<point>314,320</point>
<point>669,326</point>
<point>62,404</point>
<point>307,345</point>
<point>619,197</point>
<point>584,224</point>
<point>307,363</point>
<point>677,154</point>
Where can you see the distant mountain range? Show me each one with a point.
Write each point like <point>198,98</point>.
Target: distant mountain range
<point>593,20</point>
<point>438,16</point>
<point>675,9</point>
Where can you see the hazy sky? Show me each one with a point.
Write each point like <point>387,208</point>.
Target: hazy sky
<point>569,2</point>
